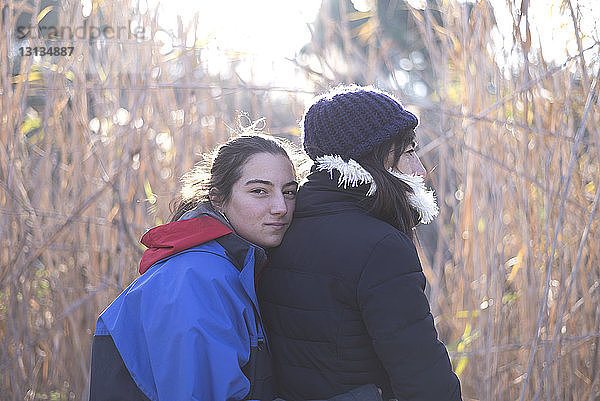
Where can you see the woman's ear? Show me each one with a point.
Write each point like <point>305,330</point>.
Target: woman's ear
<point>215,198</point>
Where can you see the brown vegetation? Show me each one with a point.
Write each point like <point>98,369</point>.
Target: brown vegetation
<point>92,145</point>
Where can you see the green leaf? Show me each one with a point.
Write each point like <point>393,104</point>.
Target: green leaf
<point>462,363</point>
<point>30,124</point>
<point>150,197</point>
<point>43,13</point>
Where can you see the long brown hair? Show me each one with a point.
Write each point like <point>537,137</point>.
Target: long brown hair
<point>222,168</point>
<point>390,201</point>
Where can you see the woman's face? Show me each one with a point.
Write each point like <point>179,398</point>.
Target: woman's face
<point>262,201</point>
<point>409,162</point>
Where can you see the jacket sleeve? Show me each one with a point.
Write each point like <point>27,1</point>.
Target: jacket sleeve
<point>397,316</point>
<point>109,378</point>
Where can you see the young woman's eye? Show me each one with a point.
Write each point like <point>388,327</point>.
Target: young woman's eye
<point>412,149</point>
<point>259,191</point>
<point>291,194</point>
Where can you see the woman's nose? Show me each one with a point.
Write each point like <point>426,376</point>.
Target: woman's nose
<point>412,165</point>
<point>278,206</point>
<point>418,168</point>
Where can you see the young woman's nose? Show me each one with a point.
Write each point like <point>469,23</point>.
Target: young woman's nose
<point>417,167</point>
<point>278,205</point>
<point>411,164</point>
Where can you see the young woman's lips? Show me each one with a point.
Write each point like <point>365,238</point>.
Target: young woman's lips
<point>277,226</point>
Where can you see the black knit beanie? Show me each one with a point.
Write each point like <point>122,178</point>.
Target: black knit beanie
<point>350,121</point>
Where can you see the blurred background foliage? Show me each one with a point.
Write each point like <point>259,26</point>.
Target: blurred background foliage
<point>92,146</point>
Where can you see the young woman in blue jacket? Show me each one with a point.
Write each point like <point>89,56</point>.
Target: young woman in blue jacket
<point>343,297</point>
<point>189,327</point>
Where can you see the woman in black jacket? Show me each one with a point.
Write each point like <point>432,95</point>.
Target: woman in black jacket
<point>342,296</point>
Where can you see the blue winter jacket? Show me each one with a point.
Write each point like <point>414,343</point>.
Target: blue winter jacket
<point>186,327</point>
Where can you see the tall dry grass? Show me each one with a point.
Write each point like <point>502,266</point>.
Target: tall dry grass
<point>91,147</point>
<point>518,290</point>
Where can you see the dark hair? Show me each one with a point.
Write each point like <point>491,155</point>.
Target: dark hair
<point>390,201</point>
<point>222,168</point>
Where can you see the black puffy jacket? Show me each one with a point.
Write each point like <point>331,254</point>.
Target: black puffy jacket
<point>343,303</point>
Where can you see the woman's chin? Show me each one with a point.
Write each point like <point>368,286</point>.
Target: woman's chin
<point>271,241</point>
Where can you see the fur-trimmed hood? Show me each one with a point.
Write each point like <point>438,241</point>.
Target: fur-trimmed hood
<point>351,174</point>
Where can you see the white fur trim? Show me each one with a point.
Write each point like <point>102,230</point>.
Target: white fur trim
<point>421,199</point>
<point>351,173</point>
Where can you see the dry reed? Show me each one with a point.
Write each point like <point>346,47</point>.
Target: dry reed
<point>91,147</point>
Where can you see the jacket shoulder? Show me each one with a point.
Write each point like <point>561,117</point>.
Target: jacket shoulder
<point>206,259</point>
<point>350,233</point>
